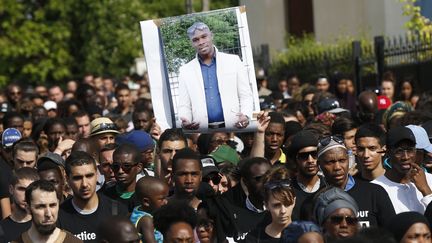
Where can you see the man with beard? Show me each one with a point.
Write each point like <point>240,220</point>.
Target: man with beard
<point>82,214</point>
<point>407,185</point>
<point>43,205</point>
<point>187,174</point>
<point>303,151</point>
<point>20,220</point>
<point>374,204</point>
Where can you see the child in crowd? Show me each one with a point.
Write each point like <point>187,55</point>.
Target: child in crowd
<point>152,193</point>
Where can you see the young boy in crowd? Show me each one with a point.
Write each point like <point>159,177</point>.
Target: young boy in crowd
<point>152,193</point>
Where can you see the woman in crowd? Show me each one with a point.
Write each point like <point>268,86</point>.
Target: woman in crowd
<point>388,85</point>
<point>409,227</point>
<point>279,200</point>
<point>407,91</point>
<point>336,212</point>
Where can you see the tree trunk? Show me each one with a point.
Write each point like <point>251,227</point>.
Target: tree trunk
<point>205,5</point>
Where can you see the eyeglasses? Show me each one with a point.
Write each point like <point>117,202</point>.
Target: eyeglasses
<point>399,152</point>
<point>126,167</point>
<point>326,140</point>
<point>105,126</point>
<point>337,219</point>
<point>214,177</point>
<point>271,185</point>
<point>305,155</point>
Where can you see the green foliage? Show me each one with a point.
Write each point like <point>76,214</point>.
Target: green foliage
<point>309,58</point>
<point>417,23</point>
<point>34,41</point>
<point>105,36</point>
<point>177,46</point>
<point>52,40</point>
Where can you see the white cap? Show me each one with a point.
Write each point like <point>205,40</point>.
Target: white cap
<point>50,105</point>
<point>422,138</point>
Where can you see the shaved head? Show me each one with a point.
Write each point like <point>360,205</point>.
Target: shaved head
<point>148,186</point>
<point>117,229</point>
<point>368,102</point>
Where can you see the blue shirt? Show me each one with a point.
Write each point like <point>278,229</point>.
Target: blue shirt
<point>350,184</point>
<point>212,95</point>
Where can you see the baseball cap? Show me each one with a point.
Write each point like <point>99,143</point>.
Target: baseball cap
<point>398,134</point>
<point>102,125</point>
<point>50,105</point>
<point>139,138</point>
<point>209,165</point>
<point>225,153</point>
<point>10,136</point>
<point>383,102</point>
<point>50,157</point>
<point>331,200</point>
<point>331,105</point>
<point>421,137</point>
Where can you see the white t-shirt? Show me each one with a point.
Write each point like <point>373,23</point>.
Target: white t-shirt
<point>405,197</point>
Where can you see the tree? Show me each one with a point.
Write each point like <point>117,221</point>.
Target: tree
<point>34,41</point>
<point>53,40</point>
<point>417,23</point>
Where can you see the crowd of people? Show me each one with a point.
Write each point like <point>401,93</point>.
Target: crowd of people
<point>88,162</point>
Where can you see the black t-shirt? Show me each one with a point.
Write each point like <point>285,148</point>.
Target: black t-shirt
<point>85,226</point>
<point>236,196</point>
<point>233,221</point>
<point>358,177</point>
<point>304,201</point>
<point>259,235</point>
<point>130,203</point>
<point>12,230</point>
<point>375,207</point>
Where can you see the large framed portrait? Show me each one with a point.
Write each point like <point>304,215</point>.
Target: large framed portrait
<point>201,71</point>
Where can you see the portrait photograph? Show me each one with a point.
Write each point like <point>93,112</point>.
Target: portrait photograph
<point>201,71</point>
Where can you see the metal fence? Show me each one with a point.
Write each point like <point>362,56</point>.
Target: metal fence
<point>367,62</point>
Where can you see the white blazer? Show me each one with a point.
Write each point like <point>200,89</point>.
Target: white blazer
<point>234,88</point>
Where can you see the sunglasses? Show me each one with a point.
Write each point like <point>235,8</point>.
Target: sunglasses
<point>337,219</point>
<point>126,167</point>
<point>305,155</point>
<point>271,185</point>
<point>326,140</point>
<point>399,152</point>
<point>106,126</point>
<point>214,178</point>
